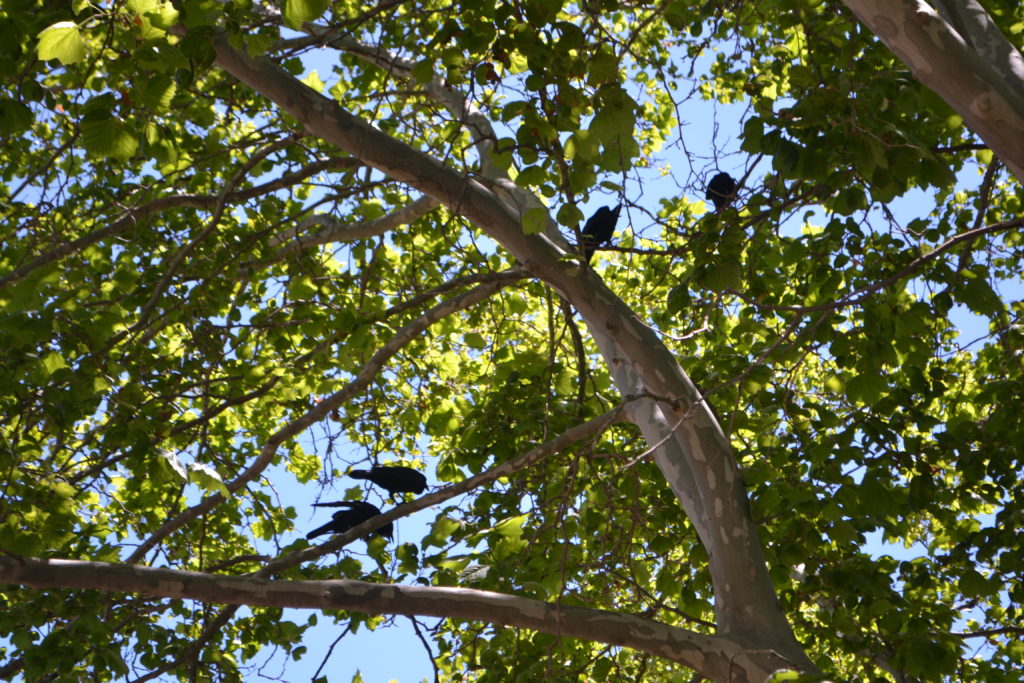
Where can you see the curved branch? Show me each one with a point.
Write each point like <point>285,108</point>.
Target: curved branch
<point>715,657</point>
<point>451,98</point>
<point>322,409</point>
<point>462,110</point>
<point>188,201</point>
<point>700,467</point>
<point>977,28</point>
<point>333,230</point>
<point>990,99</point>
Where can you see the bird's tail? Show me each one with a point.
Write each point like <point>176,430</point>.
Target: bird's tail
<point>318,531</point>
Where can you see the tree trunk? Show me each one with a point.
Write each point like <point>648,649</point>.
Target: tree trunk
<point>969,63</point>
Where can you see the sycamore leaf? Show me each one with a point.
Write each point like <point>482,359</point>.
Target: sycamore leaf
<point>105,136</point>
<point>298,12</point>
<point>61,41</point>
<point>174,461</point>
<point>207,478</point>
<point>534,221</point>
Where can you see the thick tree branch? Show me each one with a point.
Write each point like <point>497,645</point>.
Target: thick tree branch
<point>991,100</point>
<point>333,230</point>
<point>462,110</point>
<point>714,657</point>
<point>976,27</point>
<point>451,98</point>
<point>507,468</point>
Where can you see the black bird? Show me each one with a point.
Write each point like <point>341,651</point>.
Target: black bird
<point>393,479</point>
<point>599,229</point>
<point>356,513</point>
<point>721,190</point>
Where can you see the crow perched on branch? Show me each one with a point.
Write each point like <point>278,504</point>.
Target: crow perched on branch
<point>341,521</point>
<point>721,190</point>
<point>599,229</point>
<point>393,479</point>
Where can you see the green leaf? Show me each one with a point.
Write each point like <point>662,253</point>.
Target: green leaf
<point>535,221</point>
<point>157,92</point>
<point>52,362</point>
<point>441,530</point>
<point>582,145</point>
<point>978,294</point>
<point>603,68</point>
<point>801,76</point>
<point>723,276</point>
<point>609,126</point>
<point>298,12</point>
<point>207,478</point>
<point>569,214</point>
<point>314,81</point>
<point>104,136</point>
<point>866,389</point>
<point>15,117</point>
<point>474,340</point>
<point>61,41</point>
<point>512,527</point>
<point>302,287</point>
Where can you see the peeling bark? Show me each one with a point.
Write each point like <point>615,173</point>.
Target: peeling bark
<point>331,230</point>
<point>715,657</point>
<point>989,96</point>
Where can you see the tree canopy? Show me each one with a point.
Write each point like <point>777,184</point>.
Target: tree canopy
<point>249,246</point>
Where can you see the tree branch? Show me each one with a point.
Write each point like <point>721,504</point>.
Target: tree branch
<point>700,467</point>
<point>715,657</point>
<point>333,230</point>
<point>908,270</point>
<point>507,468</point>
<point>990,100</point>
<point>190,201</point>
<point>462,110</point>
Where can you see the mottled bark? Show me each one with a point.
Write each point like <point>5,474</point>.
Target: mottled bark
<point>715,657</point>
<point>977,73</point>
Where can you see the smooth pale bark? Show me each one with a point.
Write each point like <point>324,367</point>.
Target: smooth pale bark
<point>715,657</point>
<point>701,468</point>
<point>332,230</point>
<point>976,26</point>
<point>989,96</point>
<point>671,434</point>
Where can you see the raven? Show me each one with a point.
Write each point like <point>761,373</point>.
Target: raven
<point>356,513</point>
<point>721,190</point>
<point>599,229</point>
<point>393,479</point>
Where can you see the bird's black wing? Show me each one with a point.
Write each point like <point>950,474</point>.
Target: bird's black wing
<point>393,478</point>
<point>599,228</point>
<point>356,512</point>
<point>721,190</point>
